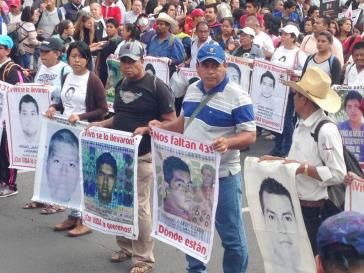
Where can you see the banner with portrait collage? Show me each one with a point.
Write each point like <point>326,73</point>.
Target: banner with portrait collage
<point>109,161</point>
<point>238,70</point>
<point>350,120</point>
<point>57,173</point>
<point>113,77</point>
<point>269,95</point>
<point>25,103</point>
<point>354,196</point>
<point>186,173</point>
<point>157,66</point>
<point>276,216</point>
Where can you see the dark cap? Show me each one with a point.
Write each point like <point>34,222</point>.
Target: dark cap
<point>52,44</point>
<point>345,228</point>
<point>133,50</point>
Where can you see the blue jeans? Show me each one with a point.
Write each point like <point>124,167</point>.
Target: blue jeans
<point>229,225</point>
<point>283,141</point>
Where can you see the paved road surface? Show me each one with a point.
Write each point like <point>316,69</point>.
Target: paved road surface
<point>29,245</point>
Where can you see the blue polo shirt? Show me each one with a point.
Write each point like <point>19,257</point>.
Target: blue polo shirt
<point>228,113</point>
<point>171,47</point>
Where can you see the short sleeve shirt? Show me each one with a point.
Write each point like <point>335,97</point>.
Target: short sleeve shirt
<point>138,102</point>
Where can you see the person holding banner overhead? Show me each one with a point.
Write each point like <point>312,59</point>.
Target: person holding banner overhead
<point>83,97</point>
<point>139,98</point>
<point>216,110</point>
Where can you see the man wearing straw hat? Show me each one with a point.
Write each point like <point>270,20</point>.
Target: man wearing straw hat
<point>322,162</point>
<point>165,44</point>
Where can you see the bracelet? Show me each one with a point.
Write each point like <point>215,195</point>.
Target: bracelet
<point>305,171</point>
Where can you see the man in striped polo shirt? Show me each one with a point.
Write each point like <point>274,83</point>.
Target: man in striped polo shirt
<point>226,118</point>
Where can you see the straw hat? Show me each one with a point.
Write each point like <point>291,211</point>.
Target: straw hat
<point>164,17</point>
<point>316,86</point>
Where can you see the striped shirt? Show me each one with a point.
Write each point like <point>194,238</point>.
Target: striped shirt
<point>226,114</point>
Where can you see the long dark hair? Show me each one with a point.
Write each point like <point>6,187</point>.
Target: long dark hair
<point>82,48</point>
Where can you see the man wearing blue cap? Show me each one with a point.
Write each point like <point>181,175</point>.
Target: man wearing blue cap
<point>10,73</point>
<point>340,243</point>
<point>216,109</point>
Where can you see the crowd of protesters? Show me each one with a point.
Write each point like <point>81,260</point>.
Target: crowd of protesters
<point>63,43</point>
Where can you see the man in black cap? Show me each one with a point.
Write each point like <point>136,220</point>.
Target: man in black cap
<point>139,98</point>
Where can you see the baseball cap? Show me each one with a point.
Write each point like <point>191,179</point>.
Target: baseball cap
<point>291,29</point>
<point>15,3</point>
<point>249,31</point>
<point>52,44</point>
<point>197,13</point>
<point>211,51</point>
<point>133,50</point>
<point>5,40</point>
<point>346,228</point>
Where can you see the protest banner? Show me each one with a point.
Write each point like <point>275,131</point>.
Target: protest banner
<point>238,70</point>
<point>185,192</point>
<point>57,174</point>
<point>181,79</point>
<point>269,95</point>
<point>114,76</point>
<point>354,15</point>
<point>349,119</point>
<point>25,103</point>
<point>109,161</point>
<point>276,216</point>
<point>157,66</point>
<point>329,8</point>
<point>354,196</point>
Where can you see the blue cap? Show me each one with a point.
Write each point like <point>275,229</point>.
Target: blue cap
<point>5,40</point>
<point>211,51</point>
<point>345,228</point>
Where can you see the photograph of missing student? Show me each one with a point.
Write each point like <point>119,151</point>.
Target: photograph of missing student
<point>57,178</point>
<point>157,67</point>
<point>276,216</point>
<point>25,105</point>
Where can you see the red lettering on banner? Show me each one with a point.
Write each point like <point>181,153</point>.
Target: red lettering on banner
<point>358,186</point>
<point>159,136</point>
<point>195,246</point>
<point>181,142</point>
<point>170,234</point>
<point>122,140</point>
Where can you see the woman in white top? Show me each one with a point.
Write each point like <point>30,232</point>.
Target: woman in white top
<point>289,56</point>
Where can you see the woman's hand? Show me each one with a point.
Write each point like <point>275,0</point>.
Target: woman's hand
<point>50,112</point>
<point>73,118</point>
<point>349,178</point>
<point>141,131</point>
<point>94,124</point>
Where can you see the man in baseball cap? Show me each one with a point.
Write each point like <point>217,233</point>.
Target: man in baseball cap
<point>52,44</point>
<point>340,243</point>
<point>133,50</point>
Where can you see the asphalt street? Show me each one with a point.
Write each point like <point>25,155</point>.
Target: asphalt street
<point>28,243</point>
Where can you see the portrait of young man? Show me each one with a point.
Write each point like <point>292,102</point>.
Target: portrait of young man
<point>29,119</point>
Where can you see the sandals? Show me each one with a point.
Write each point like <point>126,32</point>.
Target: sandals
<point>49,209</point>
<point>141,268</point>
<point>33,205</point>
<point>119,256</point>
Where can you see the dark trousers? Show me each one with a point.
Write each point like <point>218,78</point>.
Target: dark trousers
<point>7,175</point>
<point>313,217</point>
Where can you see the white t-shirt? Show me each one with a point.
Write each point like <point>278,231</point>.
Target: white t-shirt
<point>74,94</point>
<point>195,48</point>
<point>289,58</point>
<point>352,77</point>
<point>53,76</point>
<point>264,41</point>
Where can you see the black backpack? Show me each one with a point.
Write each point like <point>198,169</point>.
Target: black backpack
<point>337,192</point>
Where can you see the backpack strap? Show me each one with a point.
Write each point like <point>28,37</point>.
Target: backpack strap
<point>8,68</point>
<point>331,60</point>
<point>171,40</point>
<point>315,134</point>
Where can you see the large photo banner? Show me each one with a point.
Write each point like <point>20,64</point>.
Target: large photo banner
<point>276,216</point>
<point>354,196</point>
<point>25,103</point>
<point>109,160</point>
<point>238,70</point>
<point>157,66</point>
<point>57,174</point>
<point>185,192</point>
<point>269,95</point>
<point>114,76</point>
<point>350,120</point>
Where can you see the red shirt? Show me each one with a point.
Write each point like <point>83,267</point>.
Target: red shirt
<point>112,11</point>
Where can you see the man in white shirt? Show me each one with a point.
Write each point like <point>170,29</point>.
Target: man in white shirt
<point>321,161</point>
<point>309,43</point>
<point>261,38</point>
<point>132,15</point>
<point>354,74</point>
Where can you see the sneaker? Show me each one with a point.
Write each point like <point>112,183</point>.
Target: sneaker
<point>6,192</point>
